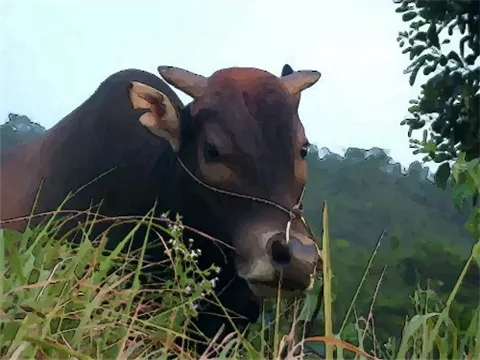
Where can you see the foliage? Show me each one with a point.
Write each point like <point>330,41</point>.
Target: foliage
<point>449,101</point>
<point>443,40</point>
<point>17,129</point>
<point>466,184</point>
<point>60,299</point>
<point>367,192</point>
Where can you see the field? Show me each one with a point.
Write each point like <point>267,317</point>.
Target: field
<point>61,300</point>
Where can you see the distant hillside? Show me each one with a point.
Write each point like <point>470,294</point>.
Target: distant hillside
<point>366,193</point>
<point>17,129</point>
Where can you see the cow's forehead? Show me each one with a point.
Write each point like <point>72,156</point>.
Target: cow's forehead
<point>247,92</point>
<point>249,81</point>
<point>241,73</point>
<point>254,108</point>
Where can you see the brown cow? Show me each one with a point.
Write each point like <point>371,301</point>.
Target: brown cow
<point>232,163</point>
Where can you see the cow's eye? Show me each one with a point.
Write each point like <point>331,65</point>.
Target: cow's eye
<point>210,152</point>
<point>304,150</point>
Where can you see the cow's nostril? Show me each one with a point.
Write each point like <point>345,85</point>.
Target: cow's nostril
<point>281,253</point>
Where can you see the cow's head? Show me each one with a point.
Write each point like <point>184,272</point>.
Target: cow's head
<point>242,135</point>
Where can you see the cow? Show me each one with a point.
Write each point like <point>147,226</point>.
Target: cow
<point>231,163</point>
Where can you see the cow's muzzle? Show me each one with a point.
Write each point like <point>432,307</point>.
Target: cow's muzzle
<point>295,260</point>
<point>274,261</point>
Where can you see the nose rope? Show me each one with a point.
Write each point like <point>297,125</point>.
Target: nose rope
<point>295,213</point>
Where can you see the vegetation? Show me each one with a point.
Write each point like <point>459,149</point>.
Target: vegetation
<point>402,269</point>
<point>61,300</point>
<point>443,41</point>
<point>17,129</point>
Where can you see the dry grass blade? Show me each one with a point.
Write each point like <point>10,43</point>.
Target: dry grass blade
<point>18,351</point>
<point>209,349</point>
<point>222,345</point>
<point>370,312</point>
<point>124,351</point>
<point>341,344</point>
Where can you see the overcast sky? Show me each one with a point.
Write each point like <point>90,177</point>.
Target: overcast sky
<point>54,54</point>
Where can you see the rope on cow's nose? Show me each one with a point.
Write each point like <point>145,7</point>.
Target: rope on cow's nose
<point>295,213</point>
<point>248,197</point>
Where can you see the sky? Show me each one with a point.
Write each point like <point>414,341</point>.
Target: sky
<point>55,53</point>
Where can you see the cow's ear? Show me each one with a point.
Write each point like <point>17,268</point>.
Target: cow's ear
<point>162,117</point>
<point>287,70</point>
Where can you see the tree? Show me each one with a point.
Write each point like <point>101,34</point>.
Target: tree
<point>449,98</point>
<point>18,129</point>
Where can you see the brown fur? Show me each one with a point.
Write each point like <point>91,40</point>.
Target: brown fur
<point>252,103</point>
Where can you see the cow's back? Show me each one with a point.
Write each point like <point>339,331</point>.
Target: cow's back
<point>18,168</point>
<point>102,137</point>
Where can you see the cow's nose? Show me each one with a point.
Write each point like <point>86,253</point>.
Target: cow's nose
<point>297,259</point>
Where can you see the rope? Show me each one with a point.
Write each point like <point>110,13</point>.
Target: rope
<point>295,213</point>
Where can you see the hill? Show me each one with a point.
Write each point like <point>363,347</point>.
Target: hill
<point>367,193</point>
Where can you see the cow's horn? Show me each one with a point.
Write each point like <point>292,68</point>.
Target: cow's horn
<point>190,83</point>
<point>300,80</point>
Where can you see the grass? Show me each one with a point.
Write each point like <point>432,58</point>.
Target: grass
<point>60,300</point>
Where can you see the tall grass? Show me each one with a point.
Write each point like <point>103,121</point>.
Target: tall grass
<point>60,300</point>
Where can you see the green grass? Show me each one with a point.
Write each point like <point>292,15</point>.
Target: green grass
<point>60,300</point>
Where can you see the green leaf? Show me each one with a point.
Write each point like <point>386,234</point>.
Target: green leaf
<point>413,75</point>
<point>473,167</point>
<point>427,70</point>
<point>417,25</point>
<point>402,8</point>
<point>409,16</point>
<point>421,36</point>
<point>417,124</point>
<point>452,55</point>
<point>442,175</point>
<point>412,326</point>
<point>470,59</point>
<point>417,50</point>
<point>413,109</point>
<point>460,193</point>
<point>432,35</point>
